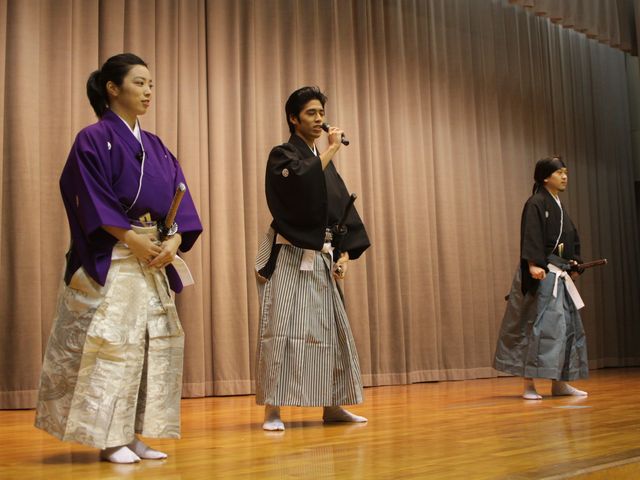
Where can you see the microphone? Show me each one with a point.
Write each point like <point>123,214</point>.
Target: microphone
<point>140,155</point>
<point>343,140</point>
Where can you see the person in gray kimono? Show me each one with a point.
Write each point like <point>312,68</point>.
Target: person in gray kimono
<point>306,353</point>
<point>542,334</point>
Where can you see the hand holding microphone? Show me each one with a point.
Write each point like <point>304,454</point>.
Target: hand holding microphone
<point>343,140</point>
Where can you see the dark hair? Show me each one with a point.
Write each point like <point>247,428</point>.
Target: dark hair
<point>545,168</point>
<point>298,99</point>
<point>114,70</point>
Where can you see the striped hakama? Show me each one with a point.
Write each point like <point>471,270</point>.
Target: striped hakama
<point>306,353</point>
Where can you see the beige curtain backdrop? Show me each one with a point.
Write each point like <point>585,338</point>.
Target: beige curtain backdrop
<point>448,104</point>
<point>608,21</point>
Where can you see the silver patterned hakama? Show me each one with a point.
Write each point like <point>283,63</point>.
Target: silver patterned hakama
<point>113,364</point>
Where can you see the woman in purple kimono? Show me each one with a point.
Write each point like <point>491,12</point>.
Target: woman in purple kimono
<point>113,363</point>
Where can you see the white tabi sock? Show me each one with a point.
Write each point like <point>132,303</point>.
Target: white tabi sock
<point>120,454</point>
<point>272,420</point>
<point>559,388</point>
<point>339,414</point>
<point>530,392</point>
<point>144,451</point>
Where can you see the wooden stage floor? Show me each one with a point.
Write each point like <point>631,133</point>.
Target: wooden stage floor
<point>476,429</point>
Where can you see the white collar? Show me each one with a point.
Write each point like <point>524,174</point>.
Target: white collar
<point>135,130</point>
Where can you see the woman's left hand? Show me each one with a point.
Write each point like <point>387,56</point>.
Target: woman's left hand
<point>168,253</point>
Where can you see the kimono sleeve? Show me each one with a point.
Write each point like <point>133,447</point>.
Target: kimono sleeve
<point>86,188</point>
<point>577,255</point>
<point>356,241</point>
<point>189,225</point>
<point>297,196</point>
<point>533,235</point>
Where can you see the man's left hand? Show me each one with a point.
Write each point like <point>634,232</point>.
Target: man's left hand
<point>340,269</point>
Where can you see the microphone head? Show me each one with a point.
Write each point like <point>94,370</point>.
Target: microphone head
<point>325,126</point>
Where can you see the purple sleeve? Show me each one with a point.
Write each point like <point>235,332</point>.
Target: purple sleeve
<point>86,187</point>
<point>188,221</point>
<point>187,218</point>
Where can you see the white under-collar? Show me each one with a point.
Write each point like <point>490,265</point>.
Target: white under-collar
<point>135,130</point>
<point>136,133</point>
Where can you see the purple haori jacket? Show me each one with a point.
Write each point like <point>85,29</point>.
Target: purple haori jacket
<point>100,181</point>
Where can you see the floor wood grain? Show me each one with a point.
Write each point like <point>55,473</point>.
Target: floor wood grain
<point>477,429</point>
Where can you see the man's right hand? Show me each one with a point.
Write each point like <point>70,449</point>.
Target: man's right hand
<point>335,137</point>
<point>537,272</point>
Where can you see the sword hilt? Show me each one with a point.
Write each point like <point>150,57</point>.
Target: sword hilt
<point>175,203</point>
<point>168,226</point>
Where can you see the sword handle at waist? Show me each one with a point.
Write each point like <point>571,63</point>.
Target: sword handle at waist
<point>594,263</point>
<point>168,226</point>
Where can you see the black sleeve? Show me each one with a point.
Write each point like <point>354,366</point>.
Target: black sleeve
<point>296,196</point>
<point>577,256</point>
<point>356,241</point>
<point>533,235</point>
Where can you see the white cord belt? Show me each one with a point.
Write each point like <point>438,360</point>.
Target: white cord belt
<point>308,257</point>
<point>568,283</point>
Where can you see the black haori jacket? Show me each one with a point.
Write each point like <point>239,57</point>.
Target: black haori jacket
<point>304,200</point>
<point>539,230</point>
